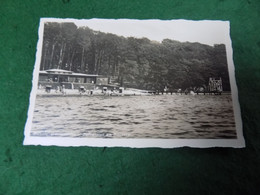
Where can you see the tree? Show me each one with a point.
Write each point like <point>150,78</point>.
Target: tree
<point>135,62</point>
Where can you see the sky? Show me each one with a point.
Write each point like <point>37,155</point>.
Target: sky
<point>208,32</point>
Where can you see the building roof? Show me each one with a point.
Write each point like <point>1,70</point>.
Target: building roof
<point>80,74</point>
<point>65,73</point>
<point>59,71</point>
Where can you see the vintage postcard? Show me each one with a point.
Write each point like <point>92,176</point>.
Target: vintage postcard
<point>134,83</point>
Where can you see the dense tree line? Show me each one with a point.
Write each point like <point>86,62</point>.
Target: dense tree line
<point>132,62</point>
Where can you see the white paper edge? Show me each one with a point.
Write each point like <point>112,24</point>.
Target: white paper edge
<point>134,143</point>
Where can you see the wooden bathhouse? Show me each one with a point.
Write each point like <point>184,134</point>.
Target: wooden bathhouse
<point>215,85</point>
<point>68,79</point>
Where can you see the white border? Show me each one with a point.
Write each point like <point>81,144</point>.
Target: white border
<point>136,143</point>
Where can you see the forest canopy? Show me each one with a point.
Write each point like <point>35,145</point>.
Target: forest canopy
<point>132,62</point>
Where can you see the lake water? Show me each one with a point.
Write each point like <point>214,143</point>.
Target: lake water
<point>159,116</point>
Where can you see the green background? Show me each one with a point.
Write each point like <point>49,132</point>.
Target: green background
<point>86,170</point>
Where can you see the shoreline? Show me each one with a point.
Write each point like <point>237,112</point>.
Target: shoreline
<point>127,92</point>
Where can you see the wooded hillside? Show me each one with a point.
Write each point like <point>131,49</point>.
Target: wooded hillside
<point>132,62</point>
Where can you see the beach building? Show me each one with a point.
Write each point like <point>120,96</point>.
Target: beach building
<point>68,79</point>
<point>59,75</point>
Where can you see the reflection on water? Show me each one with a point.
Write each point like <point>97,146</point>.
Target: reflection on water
<point>163,116</point>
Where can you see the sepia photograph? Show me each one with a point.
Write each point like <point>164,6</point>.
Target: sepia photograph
<point>134,83</point>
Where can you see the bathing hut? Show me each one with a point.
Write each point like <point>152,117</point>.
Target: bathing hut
<point>66,78</point>
<point>59,75</point>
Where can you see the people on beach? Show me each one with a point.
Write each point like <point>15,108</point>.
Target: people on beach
<point>63,90</point>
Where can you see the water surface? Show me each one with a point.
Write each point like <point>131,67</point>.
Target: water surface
<point>162,116</point>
